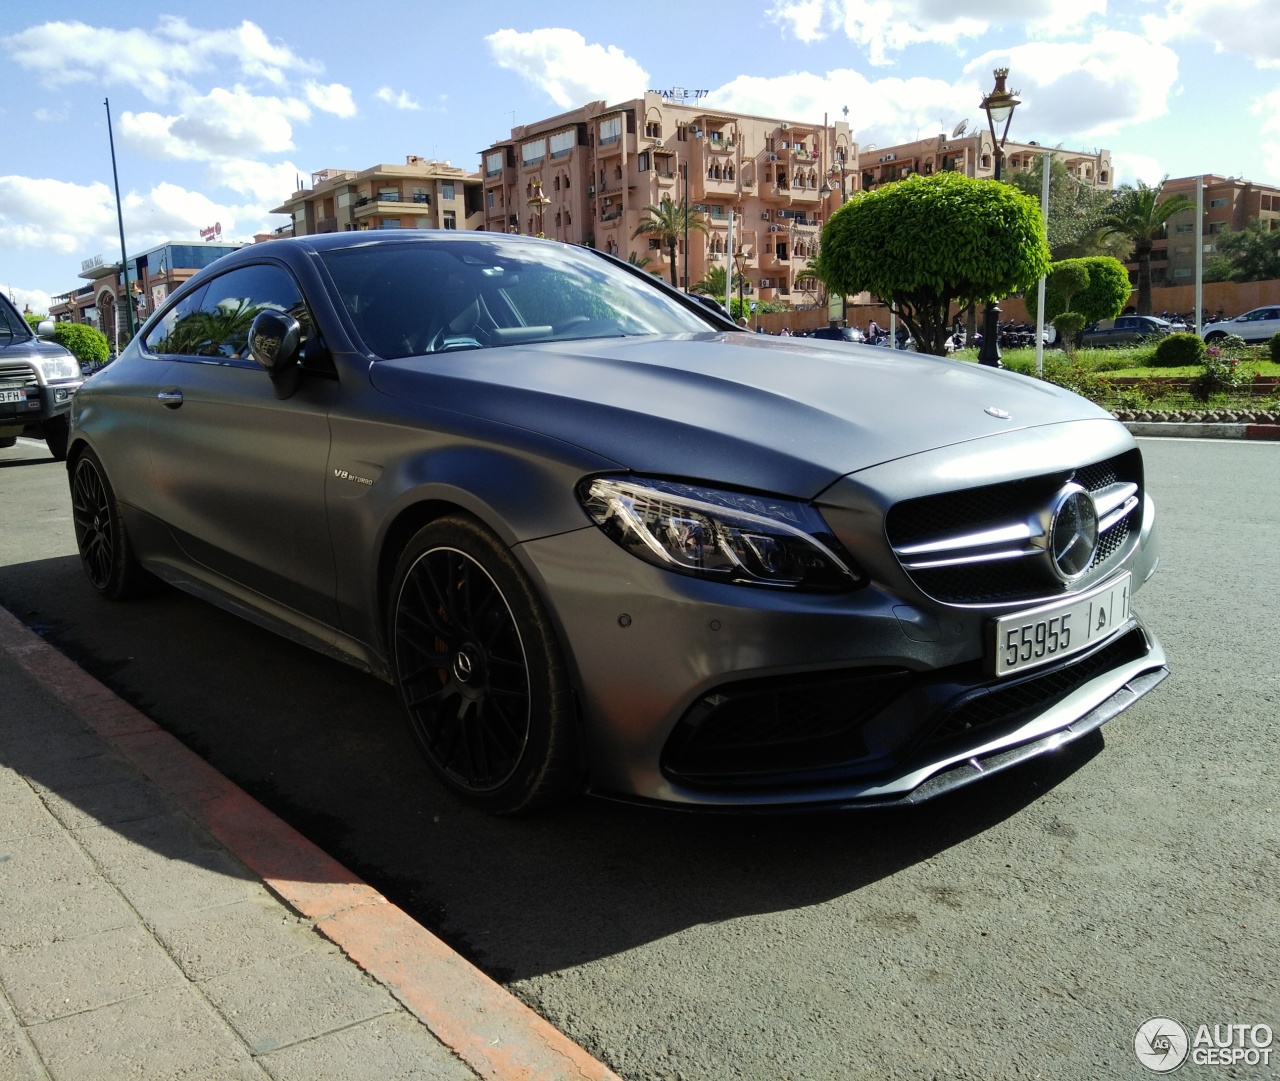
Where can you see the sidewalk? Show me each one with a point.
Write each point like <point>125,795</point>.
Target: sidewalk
<point>156,922</point>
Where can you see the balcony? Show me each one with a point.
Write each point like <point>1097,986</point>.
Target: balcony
<point>806,195</point>
<point>326,225</point>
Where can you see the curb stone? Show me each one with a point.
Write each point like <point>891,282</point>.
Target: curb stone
<point>489,1029</point>
<point>1210,430</point>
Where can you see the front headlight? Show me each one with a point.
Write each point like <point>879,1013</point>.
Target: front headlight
<point>56,369</point>
<point>721,535</point>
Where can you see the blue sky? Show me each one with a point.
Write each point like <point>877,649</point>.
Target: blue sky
<point>216,113</point>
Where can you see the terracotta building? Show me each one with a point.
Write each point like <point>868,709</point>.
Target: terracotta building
<point>420,194</point>
<point>1230,204</point>
<point>586,176</point>
<point>971,153</point>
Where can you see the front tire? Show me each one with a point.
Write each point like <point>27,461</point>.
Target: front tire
<point>57,432</point>
<point>480,672</point>
<point>1217,336</point>
<point>105,551</point>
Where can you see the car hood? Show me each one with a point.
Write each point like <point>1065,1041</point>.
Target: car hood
<point>734,408</point>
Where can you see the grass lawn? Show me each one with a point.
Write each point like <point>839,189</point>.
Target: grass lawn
<point>1119,363</point>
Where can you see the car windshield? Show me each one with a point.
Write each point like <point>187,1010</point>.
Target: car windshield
<point>443,295</point>
<point>12,325</point>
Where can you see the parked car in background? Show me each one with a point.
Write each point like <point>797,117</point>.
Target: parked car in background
<point>600,537</point>
<point>1125,330</point>
<point>38,380</point>
<point>1258,325</point>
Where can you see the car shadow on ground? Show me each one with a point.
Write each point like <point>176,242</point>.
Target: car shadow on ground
<point>324,747</point>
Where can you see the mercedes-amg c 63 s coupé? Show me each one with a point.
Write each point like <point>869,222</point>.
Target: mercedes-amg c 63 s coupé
<point>601,538</point>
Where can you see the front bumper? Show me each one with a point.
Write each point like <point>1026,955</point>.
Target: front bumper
<point>650,649</point>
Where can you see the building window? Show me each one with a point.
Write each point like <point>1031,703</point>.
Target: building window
<point>562,143</point>
<point>489,194</point>
<point>610,130</point>
<point>653,131</point>
<point>532,153</point>
<point>388,195</point>
<point>493,163</point>
<point>1185,227</point>
<point>1219,202</point>
<point>390,223</point>
<point>1216,227</point>
<point>1182,273</point>
<point>642,161</point>
<point>450,219</point>
<point>446,190</point>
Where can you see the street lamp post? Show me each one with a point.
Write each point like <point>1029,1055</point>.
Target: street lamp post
<point>999,106</point>
<point>538,203</point>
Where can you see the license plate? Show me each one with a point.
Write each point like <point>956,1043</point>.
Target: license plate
<point>13,396</point>
<point>1054,631</point>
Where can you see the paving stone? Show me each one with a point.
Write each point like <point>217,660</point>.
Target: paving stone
<point>395,1047</point>
<point>104,804</point>
<point>48,745</point>
<point>23,813</point>
<point>282,1002</point>
<point>165,866</point>
<point>47,982</point>
<point>218,940</point>
<point>50,891</point>
<point>170,1034</point>
<point>18,1060</point>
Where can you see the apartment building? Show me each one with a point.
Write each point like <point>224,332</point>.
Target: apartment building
<point>153,275</point>
<point>423,193</point>
<point>972,153</point>
<point>1230,204</point>
<point>586,176</point>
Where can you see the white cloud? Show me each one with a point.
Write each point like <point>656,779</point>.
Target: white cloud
<point>1083,89</point>
<point>221,124</point>
<point>1268,107</point>
<point>156,62</point>
<point>268,184</point>
<point>883,112</point>
<point>1130,168</point>
<point>402,100</point>
<point>35,299</point>
<point>886,26</point>
<point>52,116</point>
<point>333,98</point>
<point>564,67</point>
<point>1248,27</point>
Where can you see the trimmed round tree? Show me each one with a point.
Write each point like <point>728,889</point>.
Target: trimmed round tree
<point>87,344</point>
<point>929,244</point>
<point>1104,295</point>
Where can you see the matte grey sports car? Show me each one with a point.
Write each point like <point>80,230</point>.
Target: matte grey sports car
<point>599,537</point>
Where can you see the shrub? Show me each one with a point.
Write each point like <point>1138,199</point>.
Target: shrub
<point>1179,350</point>
<point>1068,325</point>
<point>1275,348</point>
<point>1104,297</point>
<point>1075,377</point>
<point>1221,375</point>
<point>87,344</point>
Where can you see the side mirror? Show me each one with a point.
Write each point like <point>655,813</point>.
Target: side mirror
<point>45,328</point>
<point>274,338</point>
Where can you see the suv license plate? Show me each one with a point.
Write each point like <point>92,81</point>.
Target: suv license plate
<point>1053,631</point>
<point>13,396</point>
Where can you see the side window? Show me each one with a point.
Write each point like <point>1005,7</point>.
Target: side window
<point>219,326</point>
<point>161,338</point>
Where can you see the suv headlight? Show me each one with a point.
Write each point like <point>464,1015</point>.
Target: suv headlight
<point>721,535</point>
<point>52,369</point>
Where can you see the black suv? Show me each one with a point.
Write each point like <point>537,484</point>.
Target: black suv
<point>38,379</point>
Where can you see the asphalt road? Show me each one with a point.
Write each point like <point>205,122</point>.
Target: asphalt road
<point>1024,927</point>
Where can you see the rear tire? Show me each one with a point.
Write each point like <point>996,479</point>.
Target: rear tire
<point>1216,336</point>
<point>480,671</point>
<point>7,441</point>
<point>105,551</point>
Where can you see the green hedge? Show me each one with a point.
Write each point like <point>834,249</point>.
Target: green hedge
<point>1179,350</point>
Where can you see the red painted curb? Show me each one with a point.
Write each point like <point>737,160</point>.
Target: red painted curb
<point>491,1030</point>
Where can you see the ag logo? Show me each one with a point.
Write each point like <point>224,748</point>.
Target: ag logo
<point>1161,1045</point>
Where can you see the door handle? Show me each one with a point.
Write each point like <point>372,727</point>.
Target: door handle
<point>171,397</point>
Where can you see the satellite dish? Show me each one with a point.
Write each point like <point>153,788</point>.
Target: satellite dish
<point>958,130</point>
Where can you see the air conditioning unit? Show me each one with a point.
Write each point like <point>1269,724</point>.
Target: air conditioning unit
<point>785,126</point>
<point>766,283</point>
<point>774,228</point>
<point>773,157</point>
<point>659,143</point>
<point>591,189</point>
<point>764,215</point>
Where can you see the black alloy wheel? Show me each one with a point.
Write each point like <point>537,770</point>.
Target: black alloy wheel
<point>105,552</point>
<point>480,672</point>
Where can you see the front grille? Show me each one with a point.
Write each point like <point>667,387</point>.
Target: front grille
<point>1013,703</point>
<point>16,371</point>
<point>759,727</point>
<point>969,511</point>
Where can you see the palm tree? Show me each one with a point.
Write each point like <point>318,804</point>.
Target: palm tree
<point>670,221</point>
<point>712,283</point>
<point>1141,217</point>
<point>641,262</point>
